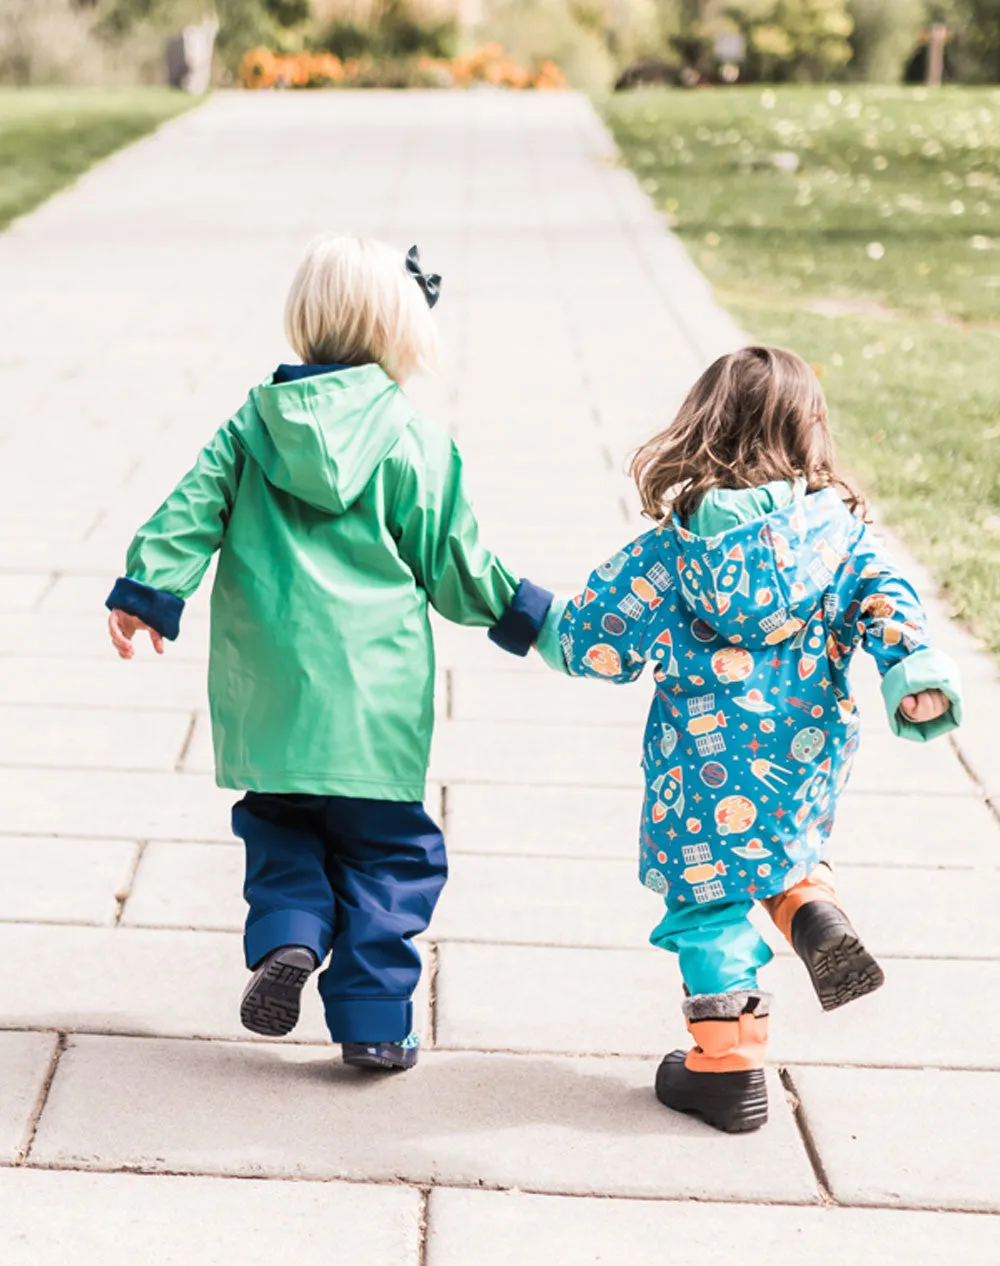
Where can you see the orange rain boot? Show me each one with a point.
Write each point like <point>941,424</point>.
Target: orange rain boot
<point>811,920</point>
<point>721,1079</point>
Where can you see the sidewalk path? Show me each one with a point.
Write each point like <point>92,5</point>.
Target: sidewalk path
<point>136,310</point>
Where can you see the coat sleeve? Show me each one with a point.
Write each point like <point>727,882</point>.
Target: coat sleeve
<point>171,552</point>
<point>604,630</point>
<point>437,535</point>
<point>880,610</point>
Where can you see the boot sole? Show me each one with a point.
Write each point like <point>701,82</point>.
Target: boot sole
<point>842,971</point>
<point>734,1112</point>
<point>380,1062</point>
<point>272,1000</point>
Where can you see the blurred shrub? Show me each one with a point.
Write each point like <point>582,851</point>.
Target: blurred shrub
<point>800,40</point>
<point>394,29</point>
<point>884,38</point>
<point>534,31</point>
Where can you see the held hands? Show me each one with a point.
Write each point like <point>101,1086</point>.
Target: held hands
<point>928,705</point>
<point>123,627</point>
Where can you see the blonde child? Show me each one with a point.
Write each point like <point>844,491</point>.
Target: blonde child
<point>339,514</point>
<point>750,597</point>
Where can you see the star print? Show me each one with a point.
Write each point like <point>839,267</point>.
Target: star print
<point>790,721</point>
<point>741,618</point>
<point>776,662</point>
<point>825,683</point>
<point>587,627</point>
<point>678,689</point>
<point>779,813</point>
<point>689,654</point>
<point>754,745</point>
<point>752,888</point>
<point>744,726</point>
<point>696,798</point>
<point>671,833</point>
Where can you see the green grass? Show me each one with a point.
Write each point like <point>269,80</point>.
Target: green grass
<point>49,136</point>
<point>878,259</point>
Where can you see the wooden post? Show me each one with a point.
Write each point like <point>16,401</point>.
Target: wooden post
<point>935,54</point>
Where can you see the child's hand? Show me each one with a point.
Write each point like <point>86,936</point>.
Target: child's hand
<point>123,627</point>
<point>926,706</point>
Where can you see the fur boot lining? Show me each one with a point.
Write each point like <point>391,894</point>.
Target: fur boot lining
<point>726,1006</point>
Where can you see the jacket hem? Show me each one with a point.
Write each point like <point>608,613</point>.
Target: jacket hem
<point>285,783</point>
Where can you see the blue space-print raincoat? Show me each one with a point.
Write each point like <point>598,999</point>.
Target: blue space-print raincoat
<point>753,727</point>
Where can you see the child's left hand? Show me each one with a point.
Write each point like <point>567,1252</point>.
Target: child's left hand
<point>928,705</point>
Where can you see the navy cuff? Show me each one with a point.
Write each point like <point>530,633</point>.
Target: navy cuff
<point>517,629</point>
<point>155,607</point>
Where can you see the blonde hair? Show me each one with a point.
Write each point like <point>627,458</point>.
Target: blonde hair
<point>352,302</point>
<point>754,416</point>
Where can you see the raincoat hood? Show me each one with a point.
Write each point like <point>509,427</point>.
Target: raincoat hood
<point>757,584</point>
<point>322,438</point>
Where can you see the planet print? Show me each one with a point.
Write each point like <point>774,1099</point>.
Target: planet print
<point>613,624</point>
<point>734,815</point>
<point>703,632</point>
<point>713,774</point>
<point>669,740</point>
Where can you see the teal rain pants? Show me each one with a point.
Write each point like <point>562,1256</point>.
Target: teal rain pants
<point>719,949</point>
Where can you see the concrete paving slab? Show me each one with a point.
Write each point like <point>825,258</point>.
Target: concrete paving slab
<point>905,1137</point>
<point>20,591</point>
<point>49,1218</point>
<point>63,881</point>
<point>25,1061</point>
<point>146,684</point>
<point>130,980</point>
<point>497,1228</point>
<point>188,886</point>
<point>88,637</point>
<point>545,901</point>
<point>915,830</point>
<point>92,739</point>
<point>913,912</point>
<point>548,821</point>
<point>526,755</point>
<point>888,764</point>
<point>587,1127</point>
<point>601,1002</point>
<point>495,698</point>
<point>114,805</point>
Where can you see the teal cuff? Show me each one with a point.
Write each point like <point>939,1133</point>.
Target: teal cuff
<point>928,669</point>
<point>547,643</point>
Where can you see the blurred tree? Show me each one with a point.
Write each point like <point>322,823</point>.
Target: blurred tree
<point>884,38</point>
<point>793,39</point>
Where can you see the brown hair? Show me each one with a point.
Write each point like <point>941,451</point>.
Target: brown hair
<point>753,416</point>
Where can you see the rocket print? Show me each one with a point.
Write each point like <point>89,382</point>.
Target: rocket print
<point>811,641</point>
<point>669,787</point>
<point>731,578</point>
<point>663,653</point>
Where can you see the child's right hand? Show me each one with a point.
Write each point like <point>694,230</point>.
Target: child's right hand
<point>123,627</point>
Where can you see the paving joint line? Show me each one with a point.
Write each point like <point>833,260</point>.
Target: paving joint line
<point>54,577</point>
<point>186,744</point>
<point>826,1196</point>
<point>125,891</point>
<point>423,1224</point>
<point>481,1185</point>
<point>992,806</point>
<point>606,1057</point>
<point>24,1152</point>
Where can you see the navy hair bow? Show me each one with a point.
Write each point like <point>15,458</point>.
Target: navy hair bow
<point>429,283</point>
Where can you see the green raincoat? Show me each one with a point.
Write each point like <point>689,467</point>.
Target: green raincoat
<point>339,513</point>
